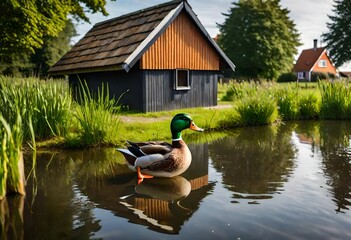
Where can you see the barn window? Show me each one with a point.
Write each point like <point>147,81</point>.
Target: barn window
<point>182,79</point>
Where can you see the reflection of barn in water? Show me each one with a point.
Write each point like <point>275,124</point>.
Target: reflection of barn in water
<point>161,204</point>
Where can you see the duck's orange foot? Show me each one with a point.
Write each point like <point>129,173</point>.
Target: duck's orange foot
<point>142,176</point>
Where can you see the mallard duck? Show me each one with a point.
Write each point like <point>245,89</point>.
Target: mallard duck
<point>161,159</point>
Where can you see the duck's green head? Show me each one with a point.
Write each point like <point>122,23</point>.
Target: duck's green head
<point>180,122</point>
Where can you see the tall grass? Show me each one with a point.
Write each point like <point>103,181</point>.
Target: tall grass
<point>331,100</point>
<point>97,116</point>
<point>335,100</point>
<point>238,90</point>
<point>288,102</point>
<point>11,160</point>
<point>46,103</point>
<point>256,110</point>
<point>309,105</point>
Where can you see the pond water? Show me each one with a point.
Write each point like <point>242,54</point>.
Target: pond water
<point>291,181</point>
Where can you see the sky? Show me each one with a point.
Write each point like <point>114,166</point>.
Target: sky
<point>310,16</point>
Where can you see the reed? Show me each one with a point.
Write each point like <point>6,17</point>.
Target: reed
<point>309,105</point>
<point>11,159</point>
<point>259,109</point>
<point>98,116</point>
<point>288,102</point>
<point>46,103</point>
<point>335,100</point>
<point>238,90</point>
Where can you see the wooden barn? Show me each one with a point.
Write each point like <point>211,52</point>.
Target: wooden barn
<point>163,55</point>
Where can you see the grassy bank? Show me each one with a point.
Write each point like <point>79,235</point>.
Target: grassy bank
<point>58,121</point>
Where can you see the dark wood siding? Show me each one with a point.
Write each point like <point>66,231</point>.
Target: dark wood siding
<point>118,83</point>
<point>160,94</point>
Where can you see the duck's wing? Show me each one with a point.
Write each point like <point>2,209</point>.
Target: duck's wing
<point>147,161</point>
<point>152,143</point>
<point>147,148</point>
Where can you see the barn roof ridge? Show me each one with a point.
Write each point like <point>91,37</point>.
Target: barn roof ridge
<point>138,11</point>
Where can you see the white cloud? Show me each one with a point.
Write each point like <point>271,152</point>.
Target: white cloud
<point>310,17</point>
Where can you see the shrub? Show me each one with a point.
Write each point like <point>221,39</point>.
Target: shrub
<point>316,76</point>
<point>287,77</point>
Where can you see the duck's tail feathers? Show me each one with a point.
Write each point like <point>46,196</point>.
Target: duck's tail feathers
<point>136,151</point>
<point>129,156</point>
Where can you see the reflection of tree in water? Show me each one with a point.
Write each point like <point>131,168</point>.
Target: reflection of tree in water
<point>336,152</point>
<point>256,161</point>
<point>308,132</point>
<point>55,208</point>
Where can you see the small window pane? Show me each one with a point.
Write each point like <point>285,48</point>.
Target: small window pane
<point>322,63</point>
<point>182,79</point>
<point>300,75</point>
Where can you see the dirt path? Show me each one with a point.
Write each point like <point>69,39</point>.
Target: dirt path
<point>142,119</point>
<point>157,119</point>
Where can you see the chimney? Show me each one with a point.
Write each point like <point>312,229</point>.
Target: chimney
<point>315,44</point>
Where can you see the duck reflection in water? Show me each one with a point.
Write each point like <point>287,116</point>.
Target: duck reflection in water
<point>158,202</point>
<point>161,204</point>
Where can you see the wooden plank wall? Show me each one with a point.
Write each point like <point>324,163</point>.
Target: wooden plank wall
<point>181,46</point>
<point>118,82</point>
<point>160,94</point>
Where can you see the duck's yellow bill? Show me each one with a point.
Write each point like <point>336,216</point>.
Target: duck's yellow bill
<point>194,127</point>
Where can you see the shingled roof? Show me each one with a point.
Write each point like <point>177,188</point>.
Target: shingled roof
<point>119,43</point>
<point>307,59</point>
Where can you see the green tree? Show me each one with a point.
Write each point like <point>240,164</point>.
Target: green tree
<point>52,50</point>
<point>259,38</point>
<point>25,23</point>
<point>338,39</point>
<point>38,63</point>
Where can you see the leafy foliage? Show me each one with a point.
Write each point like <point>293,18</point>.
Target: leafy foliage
<point>52,50</point>
<point>259,38</point>
<point>25,24</point>
<point>338,39</point>
<point>287,77</point>
<point>38,63</point>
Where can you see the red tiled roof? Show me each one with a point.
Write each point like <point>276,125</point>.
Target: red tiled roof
<point>307,59</point>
